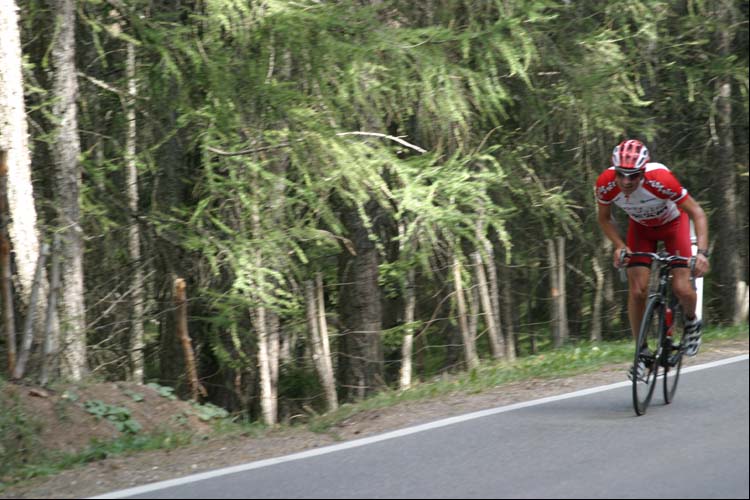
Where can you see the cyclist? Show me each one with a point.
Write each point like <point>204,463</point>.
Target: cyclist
<point>658,208</point>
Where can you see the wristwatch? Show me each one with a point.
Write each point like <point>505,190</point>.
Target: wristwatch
<point>702,252</point>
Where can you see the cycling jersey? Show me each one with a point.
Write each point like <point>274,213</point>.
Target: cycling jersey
<point>655,201</point>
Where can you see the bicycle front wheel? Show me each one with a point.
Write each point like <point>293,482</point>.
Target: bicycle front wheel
<point>672,357</point>
<point>647,355</point>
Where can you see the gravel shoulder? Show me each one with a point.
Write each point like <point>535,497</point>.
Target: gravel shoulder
<point>140,468</point>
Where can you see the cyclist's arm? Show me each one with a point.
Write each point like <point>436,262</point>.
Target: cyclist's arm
<point>609,228</point>
<point>696,213</point>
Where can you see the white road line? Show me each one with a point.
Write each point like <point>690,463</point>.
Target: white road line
<point>139,490</point>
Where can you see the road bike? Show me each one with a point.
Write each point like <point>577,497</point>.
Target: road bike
<point>659,345</point>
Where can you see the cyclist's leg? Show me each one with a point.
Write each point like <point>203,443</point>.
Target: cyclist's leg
<point>684,291</point>
<point>677,242</point>
<point>639,271</point>
<point>638,277</point>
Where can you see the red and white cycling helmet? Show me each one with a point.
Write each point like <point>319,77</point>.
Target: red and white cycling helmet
<point>630,157</point>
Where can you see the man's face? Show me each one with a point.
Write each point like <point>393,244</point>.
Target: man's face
<point>628,183</point>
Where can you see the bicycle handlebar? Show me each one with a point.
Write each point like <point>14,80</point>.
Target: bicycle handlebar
<point>661,257</point>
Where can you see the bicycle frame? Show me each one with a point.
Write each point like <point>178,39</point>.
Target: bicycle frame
<point>654,333</point>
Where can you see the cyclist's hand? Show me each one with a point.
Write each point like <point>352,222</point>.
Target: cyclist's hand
<point>702,266</point>
<point>618,260</point>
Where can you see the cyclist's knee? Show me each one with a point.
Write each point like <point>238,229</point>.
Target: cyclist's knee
<point>639,292</point>
<point>682,288</point>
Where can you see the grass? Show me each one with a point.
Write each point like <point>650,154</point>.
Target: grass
<point>52,463</point>
<point>583,357</point>
<point>572,360</point>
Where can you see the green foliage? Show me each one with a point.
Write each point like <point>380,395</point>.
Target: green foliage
<point>516,103</point>
<point>164,391</point>
<point>208,411</point>
<point>135,396</point>
<point>119,416</point>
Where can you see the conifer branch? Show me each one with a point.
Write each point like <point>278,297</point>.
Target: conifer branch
<point>289,143</point>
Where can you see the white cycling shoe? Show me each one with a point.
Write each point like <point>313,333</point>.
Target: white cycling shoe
<point>692,337</point>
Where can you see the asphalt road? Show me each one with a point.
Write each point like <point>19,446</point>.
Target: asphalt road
<point>584,446</point>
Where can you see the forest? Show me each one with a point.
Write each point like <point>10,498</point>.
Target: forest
<point>277,204</point>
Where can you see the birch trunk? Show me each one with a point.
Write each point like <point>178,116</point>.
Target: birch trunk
<point>268,400</point>
<point>268,348</point>
<point>66,151</point>
<point>486,257</point>
<point>410,306</point>
<point>503,276</point>
<point>407,349</point>
<point>330,381</point>
<point>562,306</point>
<point>318,328</point>
<point>470,350</point>
<point>497,347</point>
<point>471,295</point>
<point>22,224</point>
<point>134,235</point>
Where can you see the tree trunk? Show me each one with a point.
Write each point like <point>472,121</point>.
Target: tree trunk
<point>727,263</point>
<point>134,235</point>
<point>407,349</point>
<point>49,354</point>
<point>470,350</point>
<point>496,345</point>
<point>330,381</point>
<point>562,303</point>
<point>268,399</point>
<point>22,223</point>
<point>28,327</point>
<point>596,314</point>
<point>268,342</point>
<point>66,151</point>
<point>318,328</point>
<point>554,292</point>
<point>361,358</point>
<point>505,276</point>
<point>6,294</point>
<point>181,323</point>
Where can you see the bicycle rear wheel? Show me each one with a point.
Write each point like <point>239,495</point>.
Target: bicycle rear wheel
<point>648,351</point>
<point>672,356</point>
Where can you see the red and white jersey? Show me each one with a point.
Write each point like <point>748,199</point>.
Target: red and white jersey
<point>655,201</point>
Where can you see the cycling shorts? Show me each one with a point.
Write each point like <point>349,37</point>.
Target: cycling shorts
<point>675,235</point>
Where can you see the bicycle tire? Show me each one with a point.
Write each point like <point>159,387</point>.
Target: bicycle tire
<point>649,335</point>
<point>672,359</point>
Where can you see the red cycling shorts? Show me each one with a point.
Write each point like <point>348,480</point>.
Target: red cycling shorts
<point>675,235</point>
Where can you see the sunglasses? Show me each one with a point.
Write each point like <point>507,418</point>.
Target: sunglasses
<point>634,175</point>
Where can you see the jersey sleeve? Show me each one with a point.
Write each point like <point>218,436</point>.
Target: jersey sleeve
<point>606,188</point>
<point>664,184</point>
